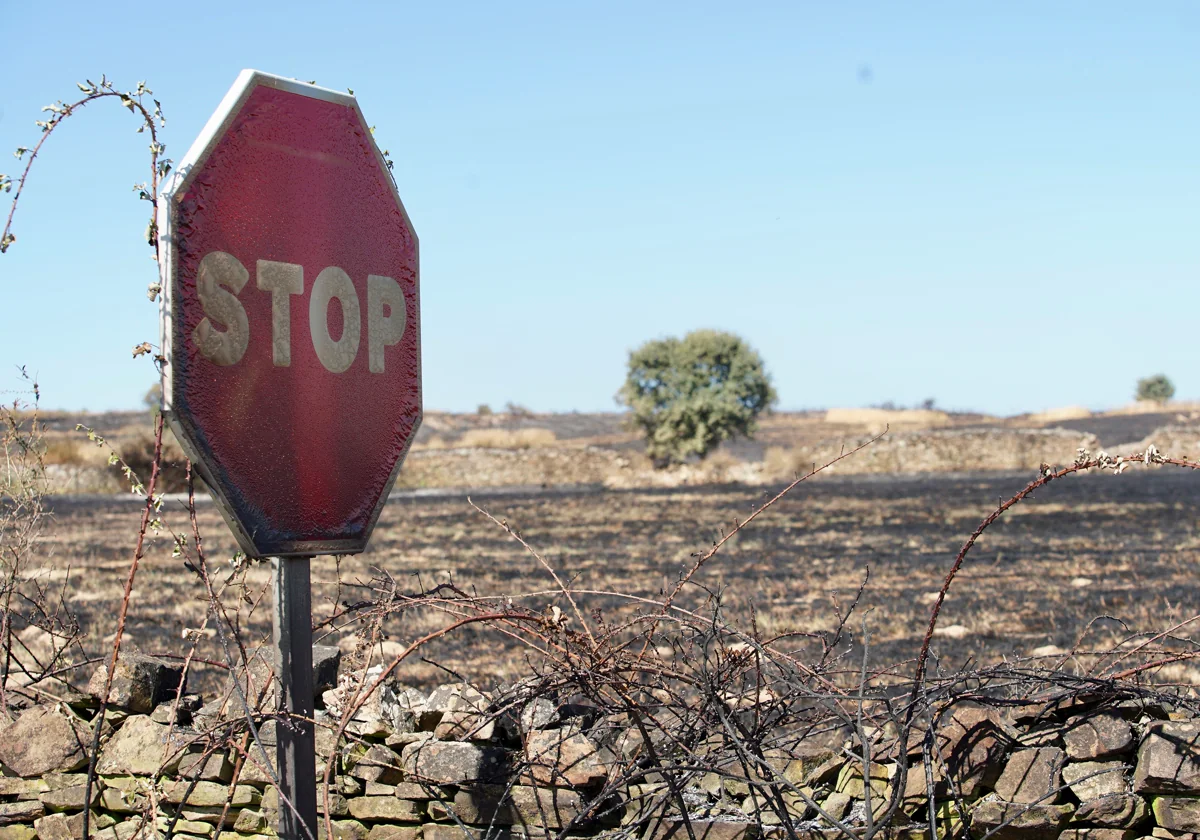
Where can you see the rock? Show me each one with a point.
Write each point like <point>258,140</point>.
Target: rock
<point>1169,759</point>
<point>1123,810</point>
<point>836,805</point>
<point>343,830</point>
<point>560,757</point>
<point>538,713</point>
<point>70,798</point>
<point>139,682</point>
<point>1020,821</point>
<point>433,831</point>
<point>1097,736</point>
<point>17,831</point>
<point>457,697</point>
<point>377,764</point>
<point>63,827</point>
<point>384,809</point>
<point>673,828</point>
<point>1031,776</point>
<point>394,832</point>
<point>972,744</point>
<point>477,805</point>
<point>206,794</point>
<point>1176,813</point>
<point>119,801</point>
<point>250,822</point>
<point>19,788</point>
<point>326,660</point>
<point>465,726</point>
<point>22,811</point>
<point>216,767</point>
<point>557,806</point>
<point>411,790</point>
<point>1098,834</point>
<point>45,739</point>
<point>138,749</point>
<point>452,763</point>
<point>1093,779</point>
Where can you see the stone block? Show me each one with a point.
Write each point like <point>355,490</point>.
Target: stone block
<point>384,809</point>
<point>1017,821</point>
<point>1169,759</point>
<point>394,832</point>
<point>1123,810</point>
<point>216,767</point>
<point>453,763</point>
<point>1094,779</point>
<point>560,757</point>
<point>139,682</point>
<point>139,748</point>
<point>1177,813</point>
<point>477,805</point>
<point>21,811</point>
<point>1092,737</point>
<point>546,807</point>
<point>45,739</point>
<point>71,798</point>
<point>1031,775</point>
<point>343,830</point>
<point>376,764</point>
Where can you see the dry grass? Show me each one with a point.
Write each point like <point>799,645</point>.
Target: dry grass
<point>507,439</point>
<point>877,419</point>
<point>1058,415</point>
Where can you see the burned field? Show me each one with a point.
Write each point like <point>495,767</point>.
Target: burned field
<point>1084,563</point>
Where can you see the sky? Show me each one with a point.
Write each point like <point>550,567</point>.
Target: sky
<point>994,205</point>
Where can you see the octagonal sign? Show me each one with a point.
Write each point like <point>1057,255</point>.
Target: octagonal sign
<point>290,317</point>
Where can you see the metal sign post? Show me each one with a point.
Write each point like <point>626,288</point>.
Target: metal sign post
<point>291,332</point>
<point>296,752</point>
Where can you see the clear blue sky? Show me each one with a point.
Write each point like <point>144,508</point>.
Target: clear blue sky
<point>993,204</point>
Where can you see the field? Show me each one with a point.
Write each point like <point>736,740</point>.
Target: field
<point>1085,562</point>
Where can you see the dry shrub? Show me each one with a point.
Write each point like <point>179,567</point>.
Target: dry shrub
<point>138,454</point>
<point>507,439</point>
<point>877,419</point>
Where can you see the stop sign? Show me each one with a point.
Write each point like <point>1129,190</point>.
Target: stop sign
<point>290,317</point>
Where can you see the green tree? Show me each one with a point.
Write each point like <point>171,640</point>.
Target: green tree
<point>1155,388</point>
<point>686,396</point>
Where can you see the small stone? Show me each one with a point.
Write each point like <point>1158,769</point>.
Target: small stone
<point>379,789</point>
<point>186,826</point>
<point>18,788</point>
<point>64,827</point>
<point>209,794</point>
<point>1177,813</point>
<point>1031,776</point>
<point>384,808</point>
<point>1093,779</point>
<point>836,805</point>
<point>412,790</point>
<point>972,744</point>
<point>434,831</point>
<point>45,739</point>
<point>1097,736</point>
<point>1169,759</point>
<point>1124,810</point>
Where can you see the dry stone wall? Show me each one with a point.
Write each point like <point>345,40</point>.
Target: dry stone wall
<point>457,762</point>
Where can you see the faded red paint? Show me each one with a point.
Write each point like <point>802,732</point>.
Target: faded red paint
<point>302,454</point>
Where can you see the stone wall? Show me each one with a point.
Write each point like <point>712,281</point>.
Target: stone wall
<point>519,764</point>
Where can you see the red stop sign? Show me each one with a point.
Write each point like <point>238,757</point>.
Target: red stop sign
<point>291,317</point>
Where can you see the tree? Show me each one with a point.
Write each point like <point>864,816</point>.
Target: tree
<point>686,396</point>
<point>1155,388</point>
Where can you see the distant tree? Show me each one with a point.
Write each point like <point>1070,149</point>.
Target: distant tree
<point>517,410</point>
<point>153,399</point>
<point>929,404</point>
<point>1155,388</point>
<point>484,410</point>
<point>687,395</point>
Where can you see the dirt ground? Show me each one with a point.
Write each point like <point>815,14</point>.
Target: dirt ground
<point>1088,560</point>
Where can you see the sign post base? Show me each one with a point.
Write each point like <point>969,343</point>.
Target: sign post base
<point>296,749</point>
